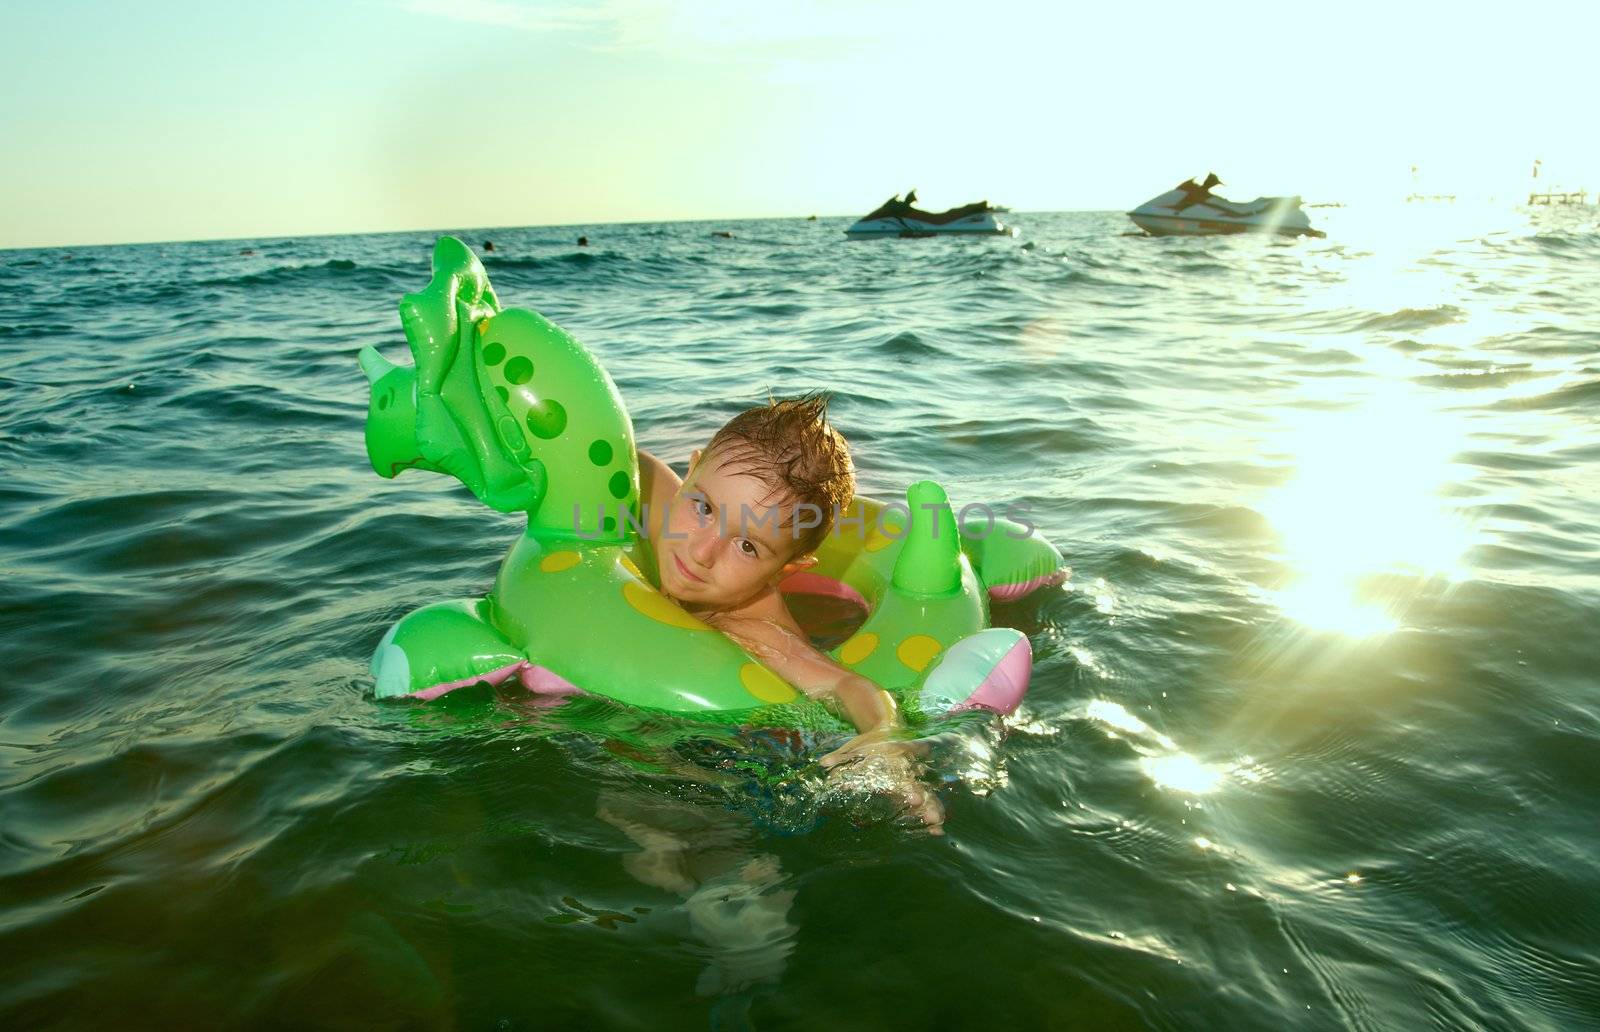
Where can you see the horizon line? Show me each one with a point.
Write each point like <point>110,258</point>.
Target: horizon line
<point>478,229</point>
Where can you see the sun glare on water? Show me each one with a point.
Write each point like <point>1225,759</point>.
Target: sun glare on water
<point>1160,758</point>
<point>1183,773</point>
<point>1365,499</point>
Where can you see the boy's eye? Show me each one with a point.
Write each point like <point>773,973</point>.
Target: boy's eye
<point>747,548</point>
<point>701,506</point>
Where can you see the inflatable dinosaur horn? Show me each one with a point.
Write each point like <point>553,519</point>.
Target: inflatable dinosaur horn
<point>930,562</point>
<point>374,365</point>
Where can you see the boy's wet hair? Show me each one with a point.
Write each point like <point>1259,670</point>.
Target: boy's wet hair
<point>788,445</point>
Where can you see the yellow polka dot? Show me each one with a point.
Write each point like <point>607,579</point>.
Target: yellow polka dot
<point>858,648</point>
<point>765,685</point>
<point>918,651</point>
<point>628,564</point>
<point>658,607</point>
<point>555,562</point>
<point>483,327</point>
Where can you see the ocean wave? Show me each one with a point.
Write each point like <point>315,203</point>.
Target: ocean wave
<point>577,259</point>
<point>909,345</point>
<point>1479,378</point>
<point>1413,319</point>
<point>1583,395</point>
<point>332,272</point>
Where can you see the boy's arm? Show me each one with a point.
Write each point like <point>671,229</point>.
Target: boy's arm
<point>872,710</point>
<point>869,707</point>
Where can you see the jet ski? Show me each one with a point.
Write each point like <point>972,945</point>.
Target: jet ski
<point>897,218</point>
<point>1190,209</point>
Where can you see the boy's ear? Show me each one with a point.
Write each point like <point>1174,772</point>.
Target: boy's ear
<point>798,563</point>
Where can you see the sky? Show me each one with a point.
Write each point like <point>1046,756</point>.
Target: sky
<point>156,121</point>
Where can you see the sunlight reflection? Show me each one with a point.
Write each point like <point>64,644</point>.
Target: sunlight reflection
<point>1170,767</point>
<point>1413,270</point>
<point>1401,234</point>
<point>1118,717</point>
<point>1365,499</point>
<point>976,767</point>
<point>1084,657</point>
<point>1183,773</point>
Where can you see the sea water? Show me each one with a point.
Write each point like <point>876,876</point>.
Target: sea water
<point>1313,734</point>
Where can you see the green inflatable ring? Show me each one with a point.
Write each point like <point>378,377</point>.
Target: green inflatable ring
<point>526,418</point>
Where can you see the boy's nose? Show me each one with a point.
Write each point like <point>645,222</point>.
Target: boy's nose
<point>703,544</point>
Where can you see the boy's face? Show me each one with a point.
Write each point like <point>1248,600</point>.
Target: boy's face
<point>724,540</point>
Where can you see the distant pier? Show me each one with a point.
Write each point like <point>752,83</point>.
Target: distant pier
<point>1560,197</point>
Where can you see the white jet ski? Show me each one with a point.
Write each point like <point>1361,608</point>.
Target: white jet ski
<point>897,218</point>
<point>1191,210</point>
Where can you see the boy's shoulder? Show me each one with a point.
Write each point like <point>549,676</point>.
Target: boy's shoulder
<point>766,630</point>
<point>768,606</point>
<point>658,482</point>
<point>765,618</point>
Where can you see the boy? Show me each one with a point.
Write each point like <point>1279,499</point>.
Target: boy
<point>720,540</point>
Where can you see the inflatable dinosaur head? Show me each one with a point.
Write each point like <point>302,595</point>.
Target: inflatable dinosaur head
<point>391,415</point>
<point>505,401</point>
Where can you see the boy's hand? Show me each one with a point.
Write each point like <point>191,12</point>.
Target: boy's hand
<point>878,753</point>
<point>897,761</point>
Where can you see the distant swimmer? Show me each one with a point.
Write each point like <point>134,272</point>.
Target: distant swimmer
<point>583,241</point>
<point>246,250</point>
<point>488,245</point>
